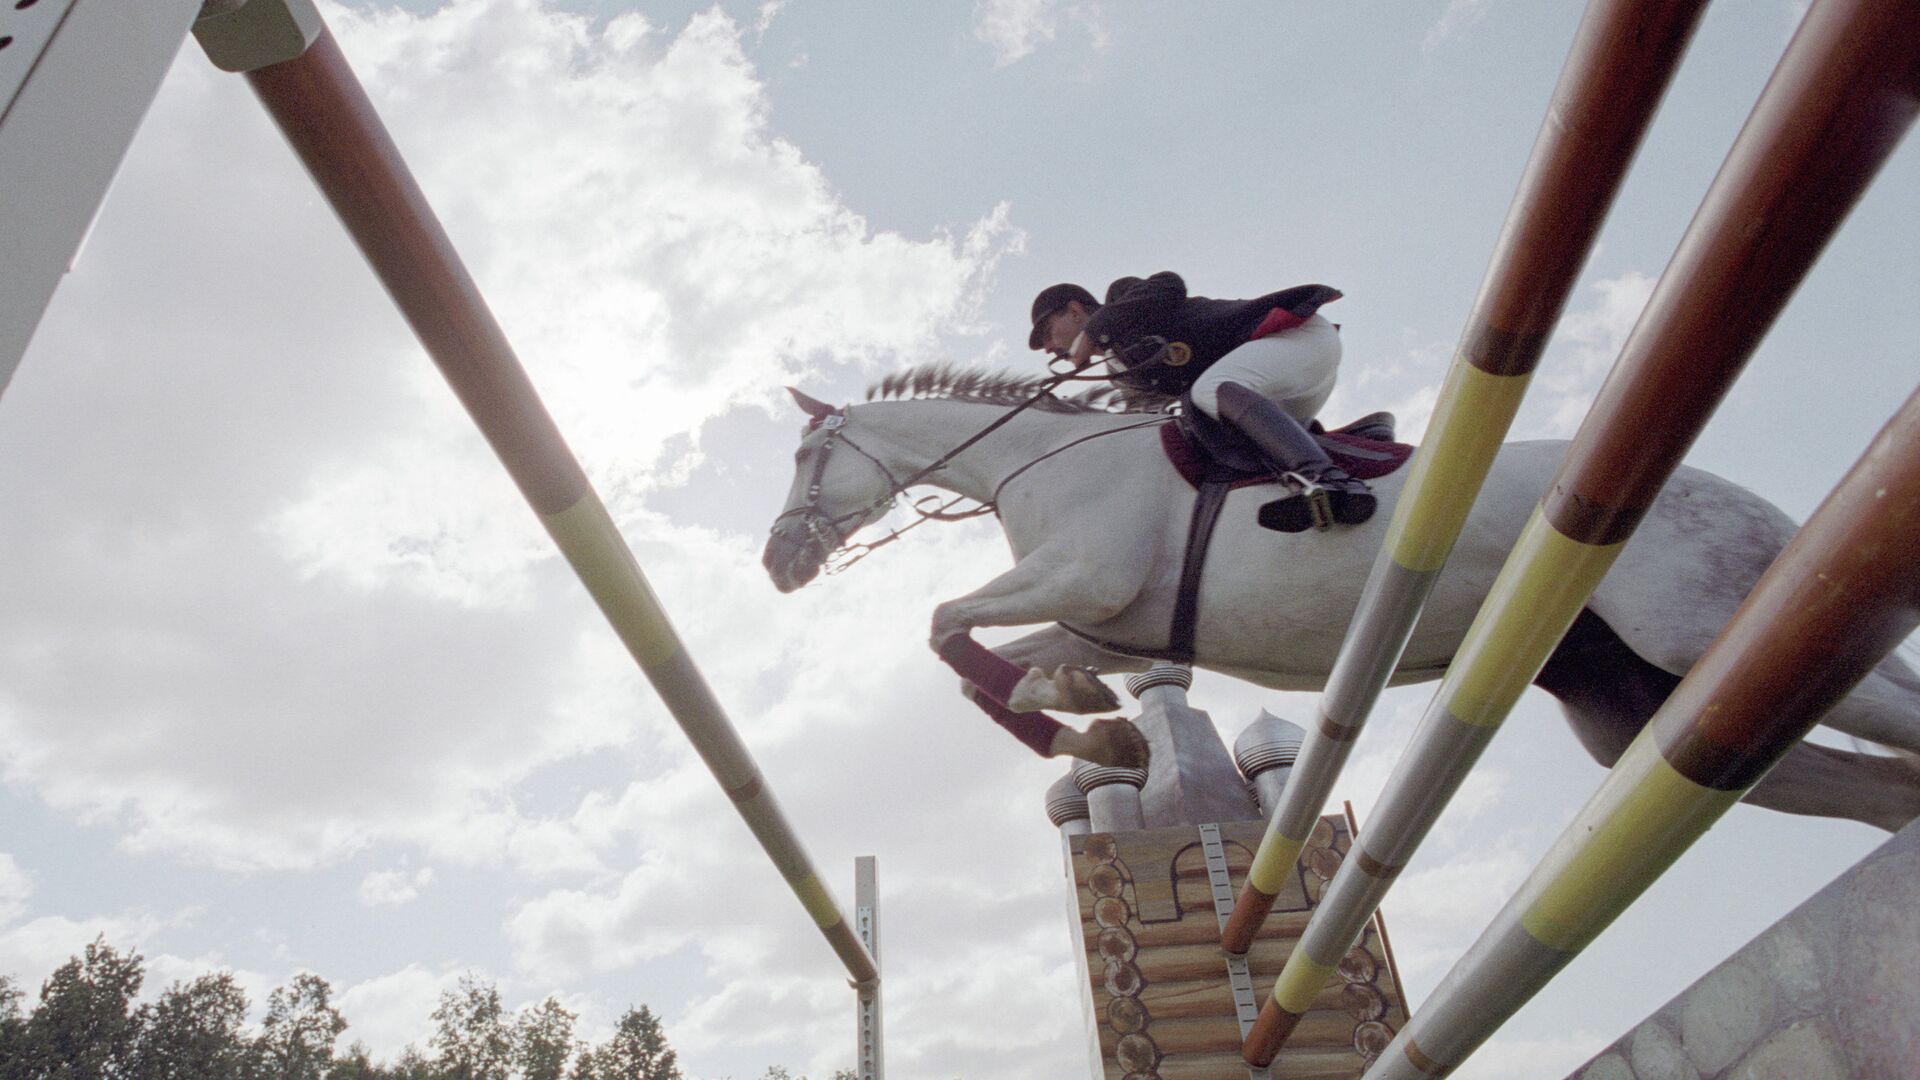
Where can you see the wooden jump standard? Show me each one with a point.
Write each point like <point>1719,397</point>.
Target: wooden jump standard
<point>1622,60</point>
<point>1837,104</point>
<point>326,116</point>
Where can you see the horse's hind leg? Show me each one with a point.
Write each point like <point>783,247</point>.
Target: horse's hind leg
<point>1825,782</point>
<point>1695,558</point>
<point>1884,708</point>
<point>1609,692</point>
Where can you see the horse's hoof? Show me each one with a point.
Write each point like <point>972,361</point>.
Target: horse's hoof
<point>1069,689</point>
<point>1116,742</point>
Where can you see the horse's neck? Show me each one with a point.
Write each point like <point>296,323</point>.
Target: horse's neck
<point>920,432</point>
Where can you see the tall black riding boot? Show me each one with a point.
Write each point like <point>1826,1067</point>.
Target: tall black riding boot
<point>1326,493</point>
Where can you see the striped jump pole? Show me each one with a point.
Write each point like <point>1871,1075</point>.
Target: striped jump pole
<point>326,116</point>
<point>1842,595</point>
<point>1832,113</point>
<point>1623,57</point>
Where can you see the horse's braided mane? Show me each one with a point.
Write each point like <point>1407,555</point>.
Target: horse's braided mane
<point>951,382</point>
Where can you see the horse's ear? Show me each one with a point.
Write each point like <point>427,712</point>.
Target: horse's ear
<point>815,408</point>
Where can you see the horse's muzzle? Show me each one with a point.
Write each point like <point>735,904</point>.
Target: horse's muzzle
<point>790,562</point>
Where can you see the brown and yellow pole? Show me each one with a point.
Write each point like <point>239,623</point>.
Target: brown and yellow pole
<point>1834,110</point>
<point>327,118</point>
<point>1844,593</point>
<point>1623,58</point>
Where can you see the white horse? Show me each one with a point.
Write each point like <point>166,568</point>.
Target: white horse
<point>1097,519</point>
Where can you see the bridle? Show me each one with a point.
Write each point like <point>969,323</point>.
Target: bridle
<point>827,534</point>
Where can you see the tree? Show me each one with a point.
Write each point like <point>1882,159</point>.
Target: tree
<point>193,1033</point>
<point>473,1041</point>
<point>297,1037</point>
<point>356,1064</point>
<point>543,1040</point>
<point>637,1051</point>
<point>413,1066</point>
<point>13,1025</point>
<point>83,1029</point>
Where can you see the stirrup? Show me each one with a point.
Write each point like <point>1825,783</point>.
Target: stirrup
<point>1319,503</point>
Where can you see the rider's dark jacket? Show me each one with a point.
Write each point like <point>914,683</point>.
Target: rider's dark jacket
<point>1138,310</point>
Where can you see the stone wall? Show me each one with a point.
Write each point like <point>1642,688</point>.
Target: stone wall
<point>1830,992</point>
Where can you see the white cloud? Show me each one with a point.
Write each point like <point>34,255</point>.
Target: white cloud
<point>217,430</point>
<point>389,888</point>
<point>763,19</point>
<point>391,1011</point>
<point>1459,16</point>
<point>1015,29</point>
<point>16,886</point>
<point>1582,352</point>
<point>1450,899</point>
<point>31,950</point>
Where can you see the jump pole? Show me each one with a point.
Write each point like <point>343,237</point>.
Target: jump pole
<point>1622,60</point>
<point>327,118</point>
<point>1843,94</point>
<point>1842,595</point>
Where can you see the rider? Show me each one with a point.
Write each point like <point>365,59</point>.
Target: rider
<point>1263,366</point>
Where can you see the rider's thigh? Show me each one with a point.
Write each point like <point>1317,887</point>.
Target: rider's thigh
<point>1296,368</point>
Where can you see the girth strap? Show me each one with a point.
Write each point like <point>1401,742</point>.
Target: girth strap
<point>1186,604</point>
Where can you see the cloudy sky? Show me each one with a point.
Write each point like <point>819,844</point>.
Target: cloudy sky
<point>291,680</point>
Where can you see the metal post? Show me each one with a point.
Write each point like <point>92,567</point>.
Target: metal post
<point>76,78</point>
<point>1844,593</point>
<point>871,1063</point>
<point>326,117</point>
<point>1833,112</point>
<point>1623,58</point>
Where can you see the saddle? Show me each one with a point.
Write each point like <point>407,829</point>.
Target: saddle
<point>1215,459</point>
<point>1204,450</point>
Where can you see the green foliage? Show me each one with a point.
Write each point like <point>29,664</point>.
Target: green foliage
<point>193,1033</point>
<point>637,1051</point>
<point>356,1064</point>
<point>85,1027</point>
<point>301,1026</point>
<point>13,1024</point>
<point>473,1041</point>
<point>543,1041</point>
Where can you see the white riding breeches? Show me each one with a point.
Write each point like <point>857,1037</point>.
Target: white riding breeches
<point>1295,369</point>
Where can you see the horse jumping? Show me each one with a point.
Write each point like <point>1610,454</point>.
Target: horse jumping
<point>1097,519</point>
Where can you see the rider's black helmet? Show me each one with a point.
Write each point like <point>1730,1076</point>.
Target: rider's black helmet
<point>1052,299</point>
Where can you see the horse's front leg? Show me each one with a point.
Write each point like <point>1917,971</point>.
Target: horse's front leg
<point>1063,671</point>
<point>1053,647</point>
<point>996,684</point>
<point>1049,585</point>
